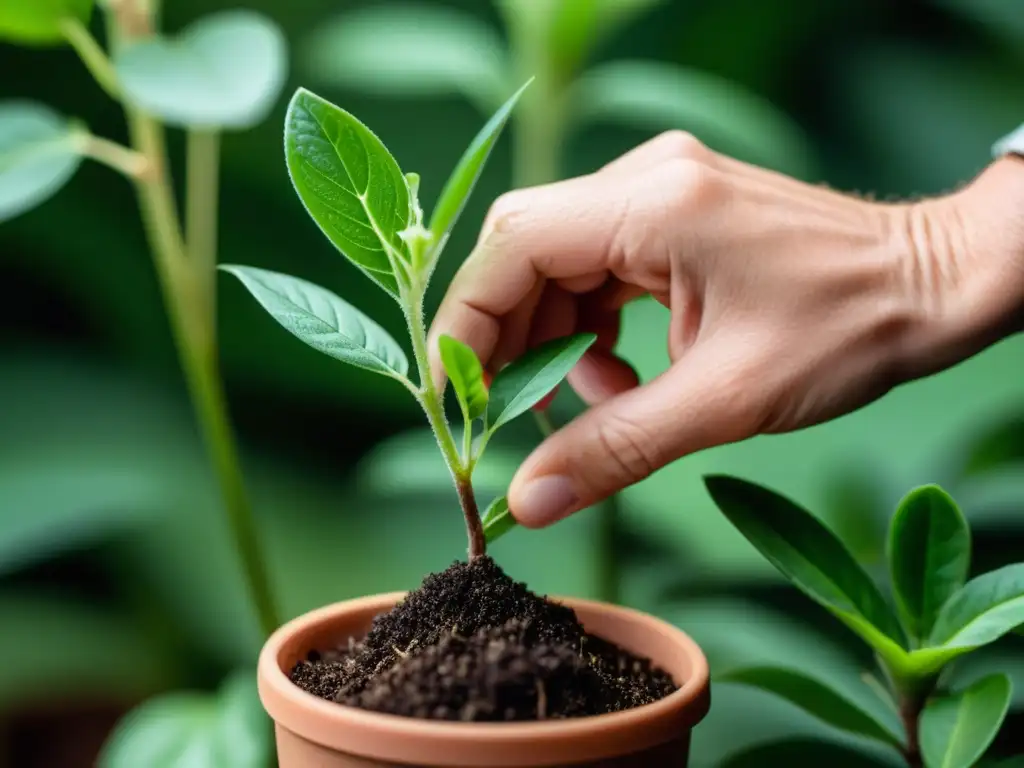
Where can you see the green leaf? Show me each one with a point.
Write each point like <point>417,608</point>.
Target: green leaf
<point>929,555</point>
<point>195,730</point>
<point>405,49</point>
<point>497,520</point>
<point>656,96</point>
<point>810,555</point>
<point>40,22</point>
<point>39,152</point>
<point>957,729</point>
<point>579,26</point>
<point>817,698</point>
<point>525,382</point>
<point>466,374</point>
<point>332,158</point>
<point>1000,446</point>
<point>986,608</point>
<point>460,184</point>
<point>802,751</point>
<point>223,71</point>
<point>324,321</point>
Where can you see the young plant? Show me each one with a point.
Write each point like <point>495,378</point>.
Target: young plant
<point>370,211</point>
<point>939,617</point>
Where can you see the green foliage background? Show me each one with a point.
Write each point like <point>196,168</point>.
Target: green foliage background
<point>116,577</point>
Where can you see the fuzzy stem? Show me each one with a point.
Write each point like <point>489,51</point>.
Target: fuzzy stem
<point>474,527</point>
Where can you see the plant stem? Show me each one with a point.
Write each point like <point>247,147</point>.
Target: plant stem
<point>910,714</point>
<point>201,192</point>
<point>92,55</point>
<point>122,159</point>
<point>474,527</point>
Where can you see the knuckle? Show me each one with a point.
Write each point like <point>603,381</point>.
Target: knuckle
<point>682,144</point>
<point>631,449</point>
<point>690,184</point>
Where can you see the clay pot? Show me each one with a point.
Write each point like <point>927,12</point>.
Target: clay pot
<point>314,733</point>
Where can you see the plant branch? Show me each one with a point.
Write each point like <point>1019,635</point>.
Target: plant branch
<point>910,713</point>
<point>92,55</point>
<point>474,526</point>
<point>201,193</point>
<point>127,161</point>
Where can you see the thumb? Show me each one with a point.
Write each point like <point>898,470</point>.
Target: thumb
<point>630,436</point>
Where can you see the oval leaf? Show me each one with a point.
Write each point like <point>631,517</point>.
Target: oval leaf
<point>802,751</point>
<point>524,383</point>
<point>929,555</point>
<point>40,22</point>
<point>39,152</point>
<point>497,520</point>
<point>224,71</point>
<point>466,374</point>
<point>983,611</point>
<point>332,159</point>
<point>411,50</point>
<point>957,729</point>
<point>816,698</point>
<point>810,556</point>
<point>194,729</point>
<point>324,321</point>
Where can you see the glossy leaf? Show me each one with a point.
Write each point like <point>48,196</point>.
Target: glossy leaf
<point>810,556</point>
<point>816,698</point>
<point>406,49</point>
<point>929,555</point>
<point>957,729</point>
<point>223,71</point>
<point>195,730</point>
<point>497,520</point>
<point>39,152</point>
<point>332,159</point>
<point>657,96</point>
<point>802,751</point>
<point>986,608</point>
<point>324,321</point>
<point>524,383</point>
<point>460,184</point>
<point>39,22</point>
<point>466,375</point>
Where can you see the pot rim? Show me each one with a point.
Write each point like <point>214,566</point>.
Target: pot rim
<point>394,737</point>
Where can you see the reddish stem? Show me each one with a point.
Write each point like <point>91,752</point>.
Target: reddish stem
<point>474,527</point>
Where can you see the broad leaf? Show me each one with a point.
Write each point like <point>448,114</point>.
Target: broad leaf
<point>460,184</point>
<point>39,152</point>
<point>657,96</point>
<point>810,555</point>
<point>803,751</point>
<point>957,729</point>
<point>333,159</point>
<point>497,520</point>
<point>929,555</point>
<point>524,383</point>
<point>466,374</point>
<point>194,729</point>
<point>411,50</point>
<point>324,321</point>
<point>816,698</point>
<point>224,71</point>
<point>40,22</point>
<point>983,611</point>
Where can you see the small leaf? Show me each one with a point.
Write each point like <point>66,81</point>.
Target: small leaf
<point>810,556</point>
<point>983,611</point>
<point>411,50</point>
<point>497,520</point>
<point>957,729</point>
<point>466,374</point>
<point>817,698</point>
<point>929,555</point>
<point>332,159</point>
<point>39,152</point>
<point>40,22</point>
<point>324,321</point>
<point>194,729</point>
<point>224,71</point>
<point>801,751</point>
<point>524,383</point>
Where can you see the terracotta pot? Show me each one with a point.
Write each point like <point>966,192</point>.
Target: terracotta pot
<point>314,733</point>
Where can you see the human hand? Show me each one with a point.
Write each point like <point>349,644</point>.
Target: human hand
<point>790,304</point>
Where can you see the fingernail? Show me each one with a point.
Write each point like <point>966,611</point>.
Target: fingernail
<point>544,501</point>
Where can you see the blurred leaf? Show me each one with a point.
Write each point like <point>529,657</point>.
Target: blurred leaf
<point>856,509</point>
<point>580,26</point>
<point>810,556</point>
<point>957,729</point>
<point>986,608</point>
<point>39,22</point>
<point>466,374</point>
<point>223,71</point>
<point>39,152</point>
<point>1002,18</point>
<point>803,752</point>
<point>332,158</point>
<point>324,321</point>
<point>997,447</point>
<point>194,729</point>
<point>404,49</point>
<point>929,555</point>
<point>817,698</point>
<point>656,96</point>
<point>497,520</point>
<point>460,184</point>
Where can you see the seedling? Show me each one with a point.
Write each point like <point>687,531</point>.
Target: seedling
<point>939,617</point>
<point>369,209</point>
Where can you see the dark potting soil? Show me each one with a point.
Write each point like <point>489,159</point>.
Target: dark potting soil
<point>472,644</point>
